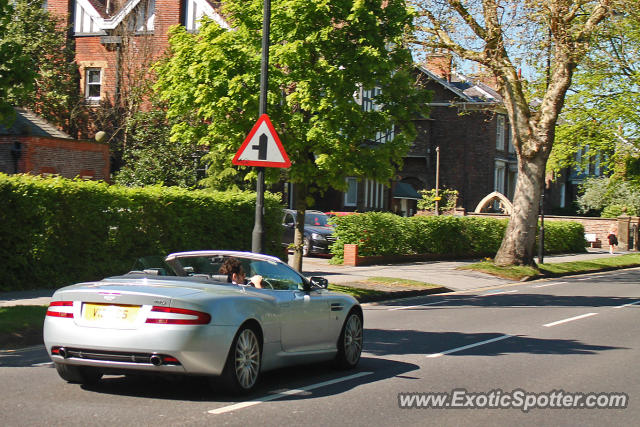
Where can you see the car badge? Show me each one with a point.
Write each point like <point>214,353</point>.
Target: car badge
<point>109,296</point>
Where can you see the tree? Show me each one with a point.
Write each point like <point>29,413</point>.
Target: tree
<point>152,159</point>
<point>16,67</point>
<point>54,94</point>
<point>601,115</point>
<point>610,197</point>
<point>487,33</point>
<point>324,57</point>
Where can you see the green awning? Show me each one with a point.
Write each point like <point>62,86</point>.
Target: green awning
<point>402,190</point>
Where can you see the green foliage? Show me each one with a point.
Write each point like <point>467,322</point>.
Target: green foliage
<point>150,158</point>
<point>387,234</point>
<point>601,113</point>
<point>54,93</point>
<point>448,201</point>
<point>16,66</point>
<point>56,231</point>
<point>609,196</point>
<point>562,237</point>
<point>321,54</point>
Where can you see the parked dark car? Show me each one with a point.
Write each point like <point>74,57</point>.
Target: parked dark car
<point>318,233</point>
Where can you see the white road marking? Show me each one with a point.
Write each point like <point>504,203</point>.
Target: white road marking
<point>242,405</point>
<point>419,305</point>
<point>582,316</point>
<point>453,350</point>
<point>549,284</point>
<point>499,292</point>
<point>583,278</point>
<point>43,364</point>
<point>628,305</point>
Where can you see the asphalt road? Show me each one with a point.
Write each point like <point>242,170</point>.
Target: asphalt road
<point>577,334</point>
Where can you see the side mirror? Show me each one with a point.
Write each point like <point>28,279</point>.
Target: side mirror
<point>319,282</point>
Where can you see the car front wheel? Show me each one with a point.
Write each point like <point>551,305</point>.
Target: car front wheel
<point>243,363</point>
<point>350,341</point>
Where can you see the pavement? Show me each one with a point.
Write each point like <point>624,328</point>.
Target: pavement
<point>443,273</point>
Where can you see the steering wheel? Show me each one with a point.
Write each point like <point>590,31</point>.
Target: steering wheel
<point>266,281</point>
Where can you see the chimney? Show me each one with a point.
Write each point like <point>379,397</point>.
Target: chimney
<point>440,65</point>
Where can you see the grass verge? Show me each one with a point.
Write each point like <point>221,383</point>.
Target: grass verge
<point>557,269</point>
<point>358,293</point>
<point>21,325</point>
<point>392,281</point>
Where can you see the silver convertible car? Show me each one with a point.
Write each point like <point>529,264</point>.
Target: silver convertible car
<point>186,318</point>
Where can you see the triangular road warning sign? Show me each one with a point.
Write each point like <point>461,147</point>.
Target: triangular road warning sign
<point>262,147</point>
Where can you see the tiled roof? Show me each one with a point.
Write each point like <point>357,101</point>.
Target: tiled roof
<point>29,123</point>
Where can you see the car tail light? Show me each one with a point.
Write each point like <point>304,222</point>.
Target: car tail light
<point>60,309</point>
<point>178,316</point>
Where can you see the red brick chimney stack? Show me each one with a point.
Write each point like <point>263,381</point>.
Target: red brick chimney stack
<point>440,64</point>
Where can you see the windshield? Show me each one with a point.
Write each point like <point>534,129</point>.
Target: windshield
<point>318,219</point>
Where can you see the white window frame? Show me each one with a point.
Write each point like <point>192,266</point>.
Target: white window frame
<point>88,84</point>
<point>500,133</point>
<point>511,148</point>
<point>499,176</point>
<point>351,195</point>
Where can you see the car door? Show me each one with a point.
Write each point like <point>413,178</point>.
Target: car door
<point>304,315</point>
<point>288,228</point>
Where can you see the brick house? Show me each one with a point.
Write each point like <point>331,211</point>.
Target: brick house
<point>32,145</point>
<point>116,41</point>
<point>115,38</point>
<point>469,125</point>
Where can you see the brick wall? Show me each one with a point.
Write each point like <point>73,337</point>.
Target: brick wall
<point>66,157</point>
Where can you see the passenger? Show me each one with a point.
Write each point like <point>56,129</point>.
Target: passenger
<point>232,267</point>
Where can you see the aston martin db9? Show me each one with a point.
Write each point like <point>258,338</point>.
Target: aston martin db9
<point>187,318</point>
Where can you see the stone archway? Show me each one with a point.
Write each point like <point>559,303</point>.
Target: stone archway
<point>505,205</point>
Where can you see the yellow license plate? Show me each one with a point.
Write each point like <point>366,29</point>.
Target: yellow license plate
<point>110,312</point>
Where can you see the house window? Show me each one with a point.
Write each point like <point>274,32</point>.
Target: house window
<point>351,195</point>
<point>373,194</point>
<point>144,17</point>
<point>499,177</point>
<point>500,133</point>
<point>511,148</point>
<point>93,84</point>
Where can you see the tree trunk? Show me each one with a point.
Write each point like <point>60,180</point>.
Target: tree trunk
<point>300,191</point>
<point>518,245</point>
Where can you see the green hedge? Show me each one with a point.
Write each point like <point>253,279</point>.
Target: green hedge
<point>379,233</point>
<point>56,231</point>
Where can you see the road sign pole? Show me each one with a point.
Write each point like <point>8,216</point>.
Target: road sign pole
<point>257,238</point>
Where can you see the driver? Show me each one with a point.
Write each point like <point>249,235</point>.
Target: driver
<point>232,267</point>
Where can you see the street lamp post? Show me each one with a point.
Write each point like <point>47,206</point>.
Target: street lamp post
<point>257,237</point>
<point>437,198</point>
<point>541,239</point>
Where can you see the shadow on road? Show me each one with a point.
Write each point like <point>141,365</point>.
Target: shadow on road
<point>385,343</point>
<point>199,389</point>
<point>515,300</point>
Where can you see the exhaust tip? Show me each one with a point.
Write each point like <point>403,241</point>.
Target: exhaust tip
<point>63,352</point>
<point>156,360</point>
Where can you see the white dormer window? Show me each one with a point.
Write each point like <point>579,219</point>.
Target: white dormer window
<point>143,17</point>
<point>194,10</point>
<point>84,21</point>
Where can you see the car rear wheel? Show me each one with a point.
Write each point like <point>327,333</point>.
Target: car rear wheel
<point>243,363</point>
<point>350,341</point>
<point>78,374</point>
